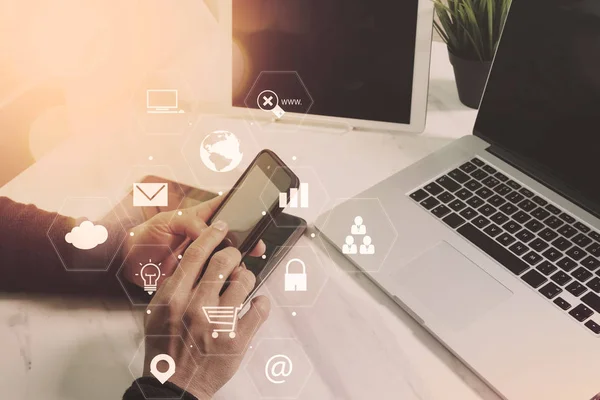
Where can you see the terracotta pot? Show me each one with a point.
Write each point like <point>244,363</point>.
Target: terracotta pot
<point>471,77</point>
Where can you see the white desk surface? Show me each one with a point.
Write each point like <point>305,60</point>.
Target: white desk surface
<point>361,345</point>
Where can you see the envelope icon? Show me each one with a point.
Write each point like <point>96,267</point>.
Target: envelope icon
<point>150,194</point>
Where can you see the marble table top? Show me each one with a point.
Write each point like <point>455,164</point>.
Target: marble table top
<point>352,342</point>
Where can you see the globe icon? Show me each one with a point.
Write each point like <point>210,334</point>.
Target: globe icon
<point>220,151</point>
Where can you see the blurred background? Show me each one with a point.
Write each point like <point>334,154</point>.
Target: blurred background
<point>81,67</point>
<point>77,67</point>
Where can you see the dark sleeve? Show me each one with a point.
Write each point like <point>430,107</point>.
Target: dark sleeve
<point>150,388</point>
<point>35,256</point>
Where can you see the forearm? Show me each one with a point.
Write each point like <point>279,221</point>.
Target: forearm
<point>34,255</point>
<point>151,388</point>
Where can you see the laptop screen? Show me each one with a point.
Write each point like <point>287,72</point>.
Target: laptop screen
<point>355,58</point>
<point>542,101</point>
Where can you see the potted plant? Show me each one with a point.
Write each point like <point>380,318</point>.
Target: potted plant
<point>471,29</point>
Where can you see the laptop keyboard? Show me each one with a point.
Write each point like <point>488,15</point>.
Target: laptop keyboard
<point>546,247</point>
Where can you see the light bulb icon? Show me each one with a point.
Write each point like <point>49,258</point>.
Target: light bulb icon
<point>150,274</point>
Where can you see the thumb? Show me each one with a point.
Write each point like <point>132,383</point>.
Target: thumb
<point>255,317</point>
<point>181,223</point>
<point>206,209</point>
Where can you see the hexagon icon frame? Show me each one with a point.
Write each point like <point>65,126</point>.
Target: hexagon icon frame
<point>255,353</point>
<point>176,270</point>
<point>259,115</point>
<point>299,210</point>
<point>342,206</point>
<point>217,326</point>
<point>141,350</point>
<point>59,214</point>
<point>205,177</point>
<point>132,178</point>
<point>145,118</point>
<point>282,269</point>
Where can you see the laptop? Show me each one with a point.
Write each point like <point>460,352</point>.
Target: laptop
<point>493,243</point>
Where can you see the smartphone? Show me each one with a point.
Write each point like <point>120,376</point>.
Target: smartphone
<point>279,237</point>
<point>254,202</point>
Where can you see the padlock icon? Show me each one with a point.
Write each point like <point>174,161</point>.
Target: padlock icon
<point>295,281</point>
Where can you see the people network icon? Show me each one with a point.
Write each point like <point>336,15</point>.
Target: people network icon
<point>358,229</point>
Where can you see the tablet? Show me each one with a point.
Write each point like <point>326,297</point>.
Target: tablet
<point>361,63</point>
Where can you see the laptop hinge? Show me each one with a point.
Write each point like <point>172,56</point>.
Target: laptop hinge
<point>546,179</point>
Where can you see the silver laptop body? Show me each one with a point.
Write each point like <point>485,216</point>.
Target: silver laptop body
<point>521,343</point>
<point>522,310</point>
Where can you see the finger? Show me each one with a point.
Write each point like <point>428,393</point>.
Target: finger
<point>187,224</point>
<point>198,215</point>
<point>169,264</point>
<point>206,209</point>
<point>258,250</point>
<point>180,221</point>
<point>255,317</point>
<point>195,257</point>
<point>241,283</point>
<point>220,266</point>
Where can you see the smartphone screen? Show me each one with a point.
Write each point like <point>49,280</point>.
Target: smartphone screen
<point>254,201</point>
<point>243,211</point>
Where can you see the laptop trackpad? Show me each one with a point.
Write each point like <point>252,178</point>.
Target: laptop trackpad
<point>454,290</point>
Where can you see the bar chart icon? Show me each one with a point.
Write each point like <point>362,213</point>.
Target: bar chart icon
<point>294,194</point>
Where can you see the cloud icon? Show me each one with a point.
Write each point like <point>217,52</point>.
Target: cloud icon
<point>87,235</point>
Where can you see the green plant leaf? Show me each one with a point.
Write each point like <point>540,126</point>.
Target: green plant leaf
<point>489,4</point>
<point>440,31</point>
<point>471,23</point>
<point>471,28</point>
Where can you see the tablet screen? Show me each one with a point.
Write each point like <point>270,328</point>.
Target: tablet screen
<point>355,57</point>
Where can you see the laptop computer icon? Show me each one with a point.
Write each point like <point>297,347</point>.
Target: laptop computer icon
<point>162,101</point>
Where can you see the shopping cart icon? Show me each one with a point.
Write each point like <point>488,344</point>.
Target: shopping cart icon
<point>225,316</point>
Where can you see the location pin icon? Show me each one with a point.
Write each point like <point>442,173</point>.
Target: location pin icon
<point>162,376</point>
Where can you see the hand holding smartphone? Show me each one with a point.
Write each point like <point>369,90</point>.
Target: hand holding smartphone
<point>253,203</point>
<point>256,191</point>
